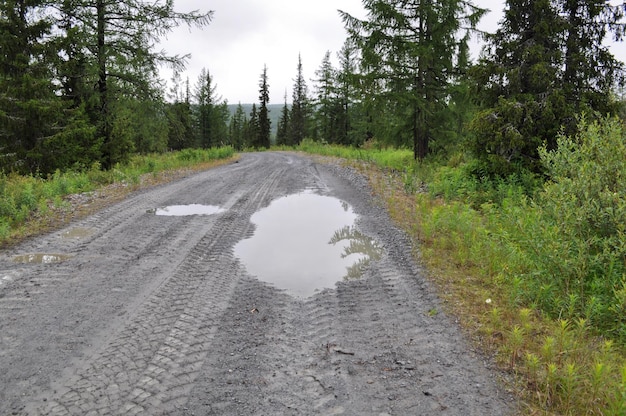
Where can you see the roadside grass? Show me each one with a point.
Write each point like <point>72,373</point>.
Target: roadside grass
<point>31,204</point>
<point>395,159</point>
<point>497,257</point>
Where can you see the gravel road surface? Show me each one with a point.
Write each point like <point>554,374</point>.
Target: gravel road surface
<point>126,312</point>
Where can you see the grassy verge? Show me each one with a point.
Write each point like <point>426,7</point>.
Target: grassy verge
<point>30,204</point>
<point>496,257</point>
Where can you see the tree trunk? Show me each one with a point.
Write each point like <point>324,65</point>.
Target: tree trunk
<point>104,127</point>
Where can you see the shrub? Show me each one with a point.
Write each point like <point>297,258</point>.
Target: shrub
<point>575,230</point>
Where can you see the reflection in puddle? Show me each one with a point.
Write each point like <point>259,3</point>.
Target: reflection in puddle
<point>41,258</point>
<point>357,244</point>
<point>184,210</point>
<point>306,242</point>
<point>77,233</point>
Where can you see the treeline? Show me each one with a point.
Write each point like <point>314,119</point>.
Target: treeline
<point>79,83</point>
<point>405,79</point>
<point>546,66</point>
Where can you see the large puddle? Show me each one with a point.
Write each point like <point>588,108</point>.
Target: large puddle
<point>306,242</point>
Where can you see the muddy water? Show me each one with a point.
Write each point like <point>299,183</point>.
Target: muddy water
<point>77,233</point>
<point>41,258</point>
<point>304,243</point>
<point>184,210</point>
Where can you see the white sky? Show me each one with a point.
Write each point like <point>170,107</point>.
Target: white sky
<point>245,35</point>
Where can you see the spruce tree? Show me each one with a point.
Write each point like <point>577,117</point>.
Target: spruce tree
<point>264,120</point>
<point>39,131</point>
<point>409,50</point>
<point>282,129</point>
<point>206,101</point>
<point>237,128</point>
<point>346,92</point>
<point>327,104</point>
<point>544,67</point>
<point>252,128</point>
<point>518,83</point>
<point>114,43</point>
<point>591,72</point>
<point>299,117</point>
<point>181,132</point>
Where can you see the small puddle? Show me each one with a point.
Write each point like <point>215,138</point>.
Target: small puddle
<point>185,210</point>
<point>77,233</point>
<point>41,258</point>
<point>306,242</point>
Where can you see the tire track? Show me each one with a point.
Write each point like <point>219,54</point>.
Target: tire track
<point>152,363</point>
<point>371,346</point>
<point>156,315</point>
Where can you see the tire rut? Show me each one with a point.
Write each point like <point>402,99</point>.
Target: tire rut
<point>152,363</point>
<point>157,316</point>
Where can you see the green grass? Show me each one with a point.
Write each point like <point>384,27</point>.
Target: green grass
<point>396,159</point>
<point>26,201</point>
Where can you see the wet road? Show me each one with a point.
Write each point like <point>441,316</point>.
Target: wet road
<point>129,312</point>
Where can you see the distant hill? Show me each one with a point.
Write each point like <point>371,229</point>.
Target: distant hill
<point>274,109</point>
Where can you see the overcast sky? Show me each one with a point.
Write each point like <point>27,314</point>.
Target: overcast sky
<point>245,35</point>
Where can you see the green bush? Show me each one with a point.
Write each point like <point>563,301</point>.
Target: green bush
<point>574,232</point>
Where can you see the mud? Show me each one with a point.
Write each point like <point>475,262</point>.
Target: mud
<point>158,316</point>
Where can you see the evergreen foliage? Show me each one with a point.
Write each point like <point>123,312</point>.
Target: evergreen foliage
<point>181,133</point>
<point>282,130</point>
<point>237,128</point>
<point>263,140</point>
<point>409,54</point>
<point>346,90</point>
<point>211,112</point>
<point>252,130</point>
<point>38,130</point>
<point>299,117</point>
<point>545,66</point>
<point>54,53</point>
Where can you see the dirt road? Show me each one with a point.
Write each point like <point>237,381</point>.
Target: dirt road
<point>127,312</point>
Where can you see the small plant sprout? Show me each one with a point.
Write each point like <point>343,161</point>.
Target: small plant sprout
<point>524,315</point>
<point>516,341</point>
<point>598,375</point>
<point>569,384</point>
<point>552,382</point>
<point>548,349</point>
<point>495,317</point>
<point>532,364</point>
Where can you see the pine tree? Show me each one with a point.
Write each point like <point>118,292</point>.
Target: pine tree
<point>206,100</point>
<point>113,42</point>
<point>544,67</point>
<point>282,129</point>
<point>327,104</point>
<point>346,91</point>
<point>39,132</point>
<point>590,70</point>
<point>298,125</point>
<point>264,121</point>
<point>252,128</point>
<point>409,49</point>
<point>238,127</point>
